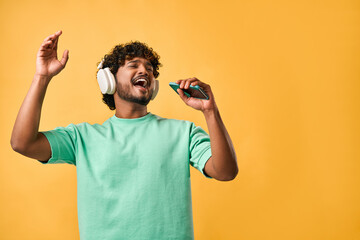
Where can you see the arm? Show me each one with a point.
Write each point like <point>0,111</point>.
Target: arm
<point>222,165</point>
<point>25,138</point>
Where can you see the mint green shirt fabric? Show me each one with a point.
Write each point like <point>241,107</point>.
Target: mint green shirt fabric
<point>133,175</point>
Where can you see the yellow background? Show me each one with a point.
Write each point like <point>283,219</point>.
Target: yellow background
<point>285,75</point>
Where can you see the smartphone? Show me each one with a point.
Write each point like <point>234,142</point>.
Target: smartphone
<point>193,91</point>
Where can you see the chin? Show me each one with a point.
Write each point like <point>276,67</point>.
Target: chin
<point>139,100</point>
<point>143,99</point>
<point>144,103</point>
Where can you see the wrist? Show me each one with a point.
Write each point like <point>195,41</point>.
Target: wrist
<point>42,78</point>
<point>211,112</point>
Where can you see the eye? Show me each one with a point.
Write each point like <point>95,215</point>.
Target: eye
<point>135,66</point>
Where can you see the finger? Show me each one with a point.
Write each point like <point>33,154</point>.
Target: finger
<point>196,82</point>
<point>65,57</point>
<point>55,35</point>
<point>52,37</point>
<point>179,81</point>
<point>58,33</point>
<point>182,83</point>
<point>45,45</point>
<point>187,83</point>
<point>182,95</point>
<point>200,83</point>
<point>54,46</point>
<point>190,81</point>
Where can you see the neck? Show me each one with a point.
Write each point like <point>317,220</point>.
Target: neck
<point>126,109</point>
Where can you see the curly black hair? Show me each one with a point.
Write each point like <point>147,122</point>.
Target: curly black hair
<point>117,56</point>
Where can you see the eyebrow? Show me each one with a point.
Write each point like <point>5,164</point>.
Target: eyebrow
<point>147,63</point>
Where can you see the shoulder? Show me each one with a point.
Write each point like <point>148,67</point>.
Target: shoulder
<point>183,125</point>
<point>172,121</point>
<point>85,127</point>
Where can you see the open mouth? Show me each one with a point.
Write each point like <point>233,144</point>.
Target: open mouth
<point>141,82</point>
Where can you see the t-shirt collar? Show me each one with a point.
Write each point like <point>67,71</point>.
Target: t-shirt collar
<point>148,116</point>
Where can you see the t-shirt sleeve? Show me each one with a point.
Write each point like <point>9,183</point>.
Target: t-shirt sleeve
<point>63,144</point>
<point>200,149</point>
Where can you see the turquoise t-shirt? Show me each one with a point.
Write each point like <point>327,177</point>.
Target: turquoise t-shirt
<point>133,175</point>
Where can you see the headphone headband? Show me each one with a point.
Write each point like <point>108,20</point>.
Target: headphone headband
<point>100,64</point>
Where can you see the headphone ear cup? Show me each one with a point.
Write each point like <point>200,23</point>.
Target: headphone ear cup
<point>112,82</point>
<point>106,81</point>
<point>156,89</point>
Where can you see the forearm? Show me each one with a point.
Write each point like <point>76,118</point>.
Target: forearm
<point>26,126</point>
<point>223,153</point>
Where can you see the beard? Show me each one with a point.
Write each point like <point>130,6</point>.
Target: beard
<point>124,93</point>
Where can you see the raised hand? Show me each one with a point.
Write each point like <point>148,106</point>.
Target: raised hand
<point>198,104</point>
<point>47,63</point>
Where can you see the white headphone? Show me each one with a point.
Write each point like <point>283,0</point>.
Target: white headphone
<point>107,82</point>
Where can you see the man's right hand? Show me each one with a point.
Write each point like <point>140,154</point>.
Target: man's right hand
<point>26,138</point>
<point>47,63</point>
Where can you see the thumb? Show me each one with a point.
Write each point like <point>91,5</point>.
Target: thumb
<point>182,95</point>
<point>65,58</point>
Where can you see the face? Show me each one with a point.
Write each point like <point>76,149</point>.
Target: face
<point>135,81</point>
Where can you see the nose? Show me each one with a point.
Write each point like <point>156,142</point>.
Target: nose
<point>143,70</point>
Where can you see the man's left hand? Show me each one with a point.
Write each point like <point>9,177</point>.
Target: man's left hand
<point>198,104</point>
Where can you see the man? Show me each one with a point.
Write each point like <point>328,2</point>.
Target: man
<point>133,170</point>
